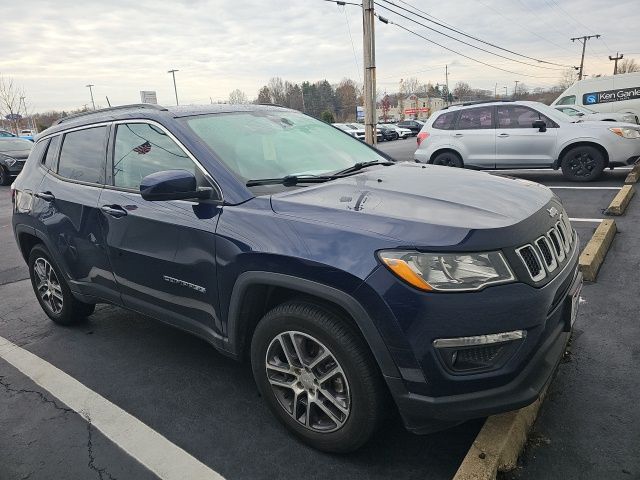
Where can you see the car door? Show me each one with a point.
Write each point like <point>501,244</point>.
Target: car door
<point>474,136</point>
<point>67,208</point>
<point>518,143</point>
<point>162,253</point>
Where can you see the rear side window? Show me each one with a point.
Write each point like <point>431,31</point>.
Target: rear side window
<point>568,100</point>
<point>83,155</point>
<point>38,150</point>
<point>51,157</point>
<point>142,149</point>
<point>446,121</point>
<point>475,118</point>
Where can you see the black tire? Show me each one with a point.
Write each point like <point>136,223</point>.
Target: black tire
<point>365,392</point>
<point>5,178</point>
<point>71,310</point>
<point>448,159</point>
<point>582,164</point>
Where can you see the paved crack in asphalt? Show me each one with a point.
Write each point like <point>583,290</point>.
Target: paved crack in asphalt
<point>91,464</point>
<point>42,396</point>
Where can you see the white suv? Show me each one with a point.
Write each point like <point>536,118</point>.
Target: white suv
<point>509,135</point>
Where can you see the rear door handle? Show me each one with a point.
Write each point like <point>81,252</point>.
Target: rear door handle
<point>46,196</point>
<point>503,135</point>
<point>114,210</point>
<point>458,135</point>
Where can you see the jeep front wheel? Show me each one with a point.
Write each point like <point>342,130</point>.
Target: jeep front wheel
<point>317,376</point>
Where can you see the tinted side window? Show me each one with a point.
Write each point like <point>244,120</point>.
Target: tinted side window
<point>142,149</point>
<point>38,151</point>
<point>83,155</point>
<point>568,100</point>
<point>475,118</point>
<point>446,121</point>
<point>521,117</point>
<point>51,157</point>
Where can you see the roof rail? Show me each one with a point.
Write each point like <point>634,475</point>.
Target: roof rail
<point>109,109</point>
<point>477,102</point>
<point>272,105</point>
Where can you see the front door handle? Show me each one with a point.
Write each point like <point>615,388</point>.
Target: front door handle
<point>114,210</point>
<point>46,196</point>
<point>503,135</point>
<point>458,135</point>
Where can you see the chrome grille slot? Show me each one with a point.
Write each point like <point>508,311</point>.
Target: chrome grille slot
<point>547,254</point>
<point>556,243</point>
<point>532,261</point>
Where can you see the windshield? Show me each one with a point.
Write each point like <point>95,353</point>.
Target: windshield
<point>278,143</point>
<point>15,145</point>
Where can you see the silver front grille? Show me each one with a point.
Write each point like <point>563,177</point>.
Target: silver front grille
<point>548,252</point>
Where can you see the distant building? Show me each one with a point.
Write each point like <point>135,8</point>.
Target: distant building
<point>413,107</point>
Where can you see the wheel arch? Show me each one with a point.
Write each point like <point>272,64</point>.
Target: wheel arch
<point>255,293</point>
<point>584,143</point>
<point>444,150</point>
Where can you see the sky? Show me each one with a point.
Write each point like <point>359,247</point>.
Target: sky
<point>53,49</point>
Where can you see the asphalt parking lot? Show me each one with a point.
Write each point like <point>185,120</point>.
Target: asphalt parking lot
<point>199,400</point>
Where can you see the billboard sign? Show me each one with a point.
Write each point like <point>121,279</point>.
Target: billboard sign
<point>359,114</point>
<point>148,96</point>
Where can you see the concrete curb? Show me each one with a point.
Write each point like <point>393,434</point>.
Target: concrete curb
<point>596,250</point>
<point>499,443</point>
<point>633,176</point>
<point>621,200</point>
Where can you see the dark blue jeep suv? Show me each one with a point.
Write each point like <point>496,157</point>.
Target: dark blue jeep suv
<point>350,281</point>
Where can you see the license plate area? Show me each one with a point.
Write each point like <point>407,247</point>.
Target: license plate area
<point>572,303</point>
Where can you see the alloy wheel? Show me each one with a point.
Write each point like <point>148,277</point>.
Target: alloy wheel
<point>582,164</point>
<point>308,381</point>
<point>48,285</point>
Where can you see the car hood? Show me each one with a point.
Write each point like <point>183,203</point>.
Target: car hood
<point>417,204</point>
<point>602,123</point>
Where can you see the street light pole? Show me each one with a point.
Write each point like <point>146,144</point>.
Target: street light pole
<point>369,50</point>
<point>505,91</point>
<point>91,92</point>
<point>175,89</point>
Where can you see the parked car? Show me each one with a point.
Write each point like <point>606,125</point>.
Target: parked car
<point>27,134</point>
<point>588,115</point>
<point>403,133</point>
<point>13,154</point>
<point>414,125</point>
<point>388,133</point>
<point>351,130</point>
<point>348,280</point>
<point>615,94</point>
<point>507,135</point>
<point>5,133</point>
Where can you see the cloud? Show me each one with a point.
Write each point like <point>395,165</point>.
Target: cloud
<point>54,49</point>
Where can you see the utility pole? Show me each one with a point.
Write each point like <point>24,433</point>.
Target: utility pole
<point>91,92</point>
<point>446,77</point>
<point>175,89</point>
<point>583,39</point>
<point>495,91</point>
<point>369,49</point>
<point>515,90</point>
<point>615,59</point>
<point>505,91</point>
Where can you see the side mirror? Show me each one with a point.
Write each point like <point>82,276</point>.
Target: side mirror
<point>540,125</point>
<point>173,185</point>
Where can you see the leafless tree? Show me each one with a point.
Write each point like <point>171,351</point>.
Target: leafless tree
<point>10,99</point>
<point>278,90</point>
<point>462,91</point>
<point>628,65</point>
<point>567,79</point>
<point>264,95</point>
<point>237,97</point>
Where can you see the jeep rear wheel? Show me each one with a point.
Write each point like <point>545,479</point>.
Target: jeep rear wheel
<point>317,376</point>
<point>52,290</point>
<point>583,164</point>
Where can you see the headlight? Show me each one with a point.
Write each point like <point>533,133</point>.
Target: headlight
<point>448,272</point>
<point>626,132</point>
<point>10,162</point>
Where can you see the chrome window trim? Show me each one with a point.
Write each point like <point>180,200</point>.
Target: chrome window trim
<point>554,265</point>
<point>177,142</point>
<point>543,271</point>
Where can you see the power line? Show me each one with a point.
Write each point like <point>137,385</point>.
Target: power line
<point>353,47</point>
<point>468,36</point>
<point>384,20</point>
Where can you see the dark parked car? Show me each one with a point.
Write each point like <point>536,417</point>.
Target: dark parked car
<point>388,133</point>
<point>414,125</point>
<point>13,154</point>
<point>353,284</point>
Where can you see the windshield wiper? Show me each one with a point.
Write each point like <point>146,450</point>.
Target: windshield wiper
<point>290,180</point>
<point>360,165</point>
